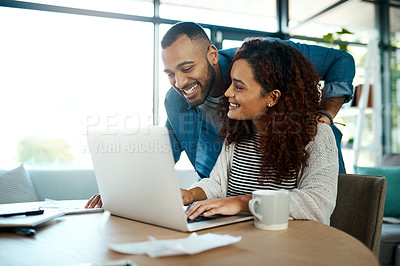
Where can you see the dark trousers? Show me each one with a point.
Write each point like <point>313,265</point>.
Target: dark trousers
<point>338,136</point>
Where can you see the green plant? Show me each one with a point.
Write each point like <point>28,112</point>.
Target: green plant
<point>337,36</point>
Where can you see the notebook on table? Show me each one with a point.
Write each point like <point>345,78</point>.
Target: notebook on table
<point>25,215</point>
<point>136,178</point>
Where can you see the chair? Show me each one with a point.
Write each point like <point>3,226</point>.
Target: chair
<point>359,208</point>
<point>389,253</point>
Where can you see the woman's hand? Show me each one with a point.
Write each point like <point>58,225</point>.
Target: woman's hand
<point>193,194</point>
<point>225,206</point>
<point>187,196</point>
<point>94,202</point>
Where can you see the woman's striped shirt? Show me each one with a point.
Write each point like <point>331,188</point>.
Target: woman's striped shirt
<point>247,160</point>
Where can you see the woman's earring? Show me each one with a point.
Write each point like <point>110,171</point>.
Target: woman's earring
<point>269,105</point>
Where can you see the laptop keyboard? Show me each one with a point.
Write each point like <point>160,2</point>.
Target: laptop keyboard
<point>201,218</point>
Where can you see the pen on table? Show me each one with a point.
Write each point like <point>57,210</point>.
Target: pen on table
<point>27,213</point>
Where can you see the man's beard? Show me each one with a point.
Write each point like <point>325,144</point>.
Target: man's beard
<point>208,84</point>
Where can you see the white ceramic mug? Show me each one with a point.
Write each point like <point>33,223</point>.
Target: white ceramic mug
<point>270,209</point>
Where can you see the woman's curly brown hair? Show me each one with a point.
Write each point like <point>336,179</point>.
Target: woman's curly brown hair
<point>292,122</point>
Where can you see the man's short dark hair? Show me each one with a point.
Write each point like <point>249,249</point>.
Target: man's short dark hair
<point>192,30</point>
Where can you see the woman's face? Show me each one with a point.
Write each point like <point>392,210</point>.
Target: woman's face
<point>244,94</point>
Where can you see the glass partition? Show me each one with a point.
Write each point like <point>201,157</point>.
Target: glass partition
<point>254,15</point>
<point>62,74</point>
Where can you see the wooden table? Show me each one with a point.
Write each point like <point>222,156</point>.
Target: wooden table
<point>84,238</point>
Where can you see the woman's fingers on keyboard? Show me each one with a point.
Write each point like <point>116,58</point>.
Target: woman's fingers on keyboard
<point>94,201</point>
<point>191,208</point>
<point>196,210</point>
<point>100,203</point>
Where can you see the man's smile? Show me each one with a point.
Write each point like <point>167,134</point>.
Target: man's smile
<point>189,92</point>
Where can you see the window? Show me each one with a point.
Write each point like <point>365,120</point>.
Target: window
<point>226,44</point>
<point>395,93</point>
<point>255,15</point>
<point>62,73</point>
<point>131,7</point>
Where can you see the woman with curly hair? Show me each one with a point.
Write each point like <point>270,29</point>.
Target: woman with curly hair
<point>272,137</point>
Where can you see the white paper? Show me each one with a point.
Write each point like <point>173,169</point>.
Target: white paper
<point>68,206</point>
<point>190,245</point>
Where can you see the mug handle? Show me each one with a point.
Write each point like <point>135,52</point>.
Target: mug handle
<point>252,202</point>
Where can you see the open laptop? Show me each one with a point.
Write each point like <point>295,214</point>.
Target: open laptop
<point>137,180</point>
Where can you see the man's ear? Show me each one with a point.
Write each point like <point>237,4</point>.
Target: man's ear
<point>212,55</point>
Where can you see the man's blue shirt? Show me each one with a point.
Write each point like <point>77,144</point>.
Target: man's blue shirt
<point>190,132</point>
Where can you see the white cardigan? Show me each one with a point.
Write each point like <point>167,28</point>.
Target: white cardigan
<point>315,195</point>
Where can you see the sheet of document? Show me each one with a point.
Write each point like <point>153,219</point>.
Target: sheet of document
<point>67,206</point>
<point>171,247</point>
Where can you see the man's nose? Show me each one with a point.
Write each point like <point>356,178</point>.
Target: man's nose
<point>180,81</point>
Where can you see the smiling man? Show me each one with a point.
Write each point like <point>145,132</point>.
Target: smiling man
<point>192,68</point>
<point>198,74</point>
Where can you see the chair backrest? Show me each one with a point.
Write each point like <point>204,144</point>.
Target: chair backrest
<point>359,208</point>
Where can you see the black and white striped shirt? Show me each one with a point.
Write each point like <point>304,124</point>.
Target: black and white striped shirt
<point>247,160</point>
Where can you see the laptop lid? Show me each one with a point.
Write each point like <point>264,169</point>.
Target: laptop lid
<point>135,175</point>
<point>137,180</point>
